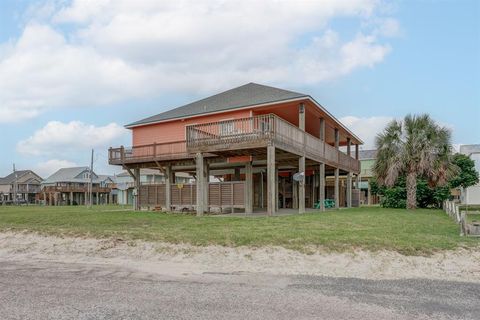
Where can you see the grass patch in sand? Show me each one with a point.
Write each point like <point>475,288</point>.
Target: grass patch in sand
<point>372,228</point>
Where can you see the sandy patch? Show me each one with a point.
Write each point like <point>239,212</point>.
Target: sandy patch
<point>171,259</point>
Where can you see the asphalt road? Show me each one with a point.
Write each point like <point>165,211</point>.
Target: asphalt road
<point>54,290</point>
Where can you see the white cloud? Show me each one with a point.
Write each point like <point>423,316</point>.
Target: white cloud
<point>366,128</point>
<point>45,169</point>
<point>112,50</point>
<point>64,139</point>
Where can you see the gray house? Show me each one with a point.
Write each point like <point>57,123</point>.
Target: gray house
<point>69,186</point>
<point>21,186</point>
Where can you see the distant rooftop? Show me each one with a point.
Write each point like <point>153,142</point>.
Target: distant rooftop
<point>367,154</point>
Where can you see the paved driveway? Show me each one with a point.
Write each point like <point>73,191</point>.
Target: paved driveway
<point>51,290</point>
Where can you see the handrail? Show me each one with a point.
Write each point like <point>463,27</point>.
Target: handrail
<point>242,131</point>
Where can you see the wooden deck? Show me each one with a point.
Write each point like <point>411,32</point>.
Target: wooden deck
<point>246,136</point>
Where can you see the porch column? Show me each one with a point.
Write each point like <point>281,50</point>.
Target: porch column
<point>313,194</point>
<point>85,198</point>
<point>168,188</point>
<point>321,183</point>
<point>248,188</point>
<point>276,189</point>
<point>44,197</point>
<point>98,199</point>
<point>71,198</point>
<point>321,186</point>
<point>200,183</point>
<point>349,176</point>
<point>337,172</point>
<point>136,173</point>
<point>271,196</point>
<point>294,194</point>
<point>301,161</point>
<point>301,186</point>
<point>206,180</point>
<point>349,190</point>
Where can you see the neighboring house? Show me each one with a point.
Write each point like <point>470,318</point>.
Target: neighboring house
<point>21,186</point>
<point>367,161</point>
<point>125,183</point>
<point>471,195</point>
<point>258,137</point>
<point>69,186</point>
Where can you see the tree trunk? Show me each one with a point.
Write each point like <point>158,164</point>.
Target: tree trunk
<point>411,191</point>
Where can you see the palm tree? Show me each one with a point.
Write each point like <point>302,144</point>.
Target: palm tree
<point>414,147</point>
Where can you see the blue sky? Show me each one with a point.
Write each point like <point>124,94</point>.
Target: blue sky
<point>72,73</point>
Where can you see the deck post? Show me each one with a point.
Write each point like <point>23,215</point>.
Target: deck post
<point>136,172</point>
<point>337,172</point>
<point>301,186</point>
<point>276,189</point>
<point>271,196</point>
<point>349,190</point>
<point>349,176</point>
<point>248,188</point>
<point>206,189</point>
<point>168,188</point>
<point>71,198</point>
<point>321,186</point>
<point>294,194</point>
<point>337,188</point>
<point>200,182</point>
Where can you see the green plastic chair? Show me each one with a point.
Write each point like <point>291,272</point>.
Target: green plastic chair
<point>328,203</point>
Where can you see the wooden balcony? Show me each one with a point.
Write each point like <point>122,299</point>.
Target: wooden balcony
<point>229,136</point>
<point>258,132</point>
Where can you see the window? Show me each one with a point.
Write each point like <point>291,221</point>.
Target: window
<point>227,128</point>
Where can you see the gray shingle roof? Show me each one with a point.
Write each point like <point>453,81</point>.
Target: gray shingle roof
<point>367,154</point>
<point>71,175</point>
<point>11,177</point>
<point>243,96</point>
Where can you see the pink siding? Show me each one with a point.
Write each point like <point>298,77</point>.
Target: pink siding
<point>175,130</point>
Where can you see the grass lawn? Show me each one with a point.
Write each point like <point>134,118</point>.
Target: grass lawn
<point>372,228</point>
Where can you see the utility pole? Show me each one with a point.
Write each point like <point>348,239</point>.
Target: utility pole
<point>90,191</point>
<point>14,193</point>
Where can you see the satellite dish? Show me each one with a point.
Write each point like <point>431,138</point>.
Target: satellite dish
<point>299,176</point>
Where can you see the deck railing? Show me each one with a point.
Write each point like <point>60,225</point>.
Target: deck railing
<point>156,151</point>
<point>237,133</point>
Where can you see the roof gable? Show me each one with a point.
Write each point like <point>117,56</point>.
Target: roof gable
<point>247,95</point>
<point>21,176</point>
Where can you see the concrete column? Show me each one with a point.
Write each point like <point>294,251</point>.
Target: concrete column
<point>84,198</point>
<point>168,188</point>
<point>45,197</point>
<point>200,183</point>
<point>321,186</point>
<point>337,188</point>
<point>50,199</point>
<point>70,199</point>
<point>98,199</point>
<point>136,173</point>
<point>301,186</point>
<point>349,190</point>
<point>271,196</point>
<point>248,188</point>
